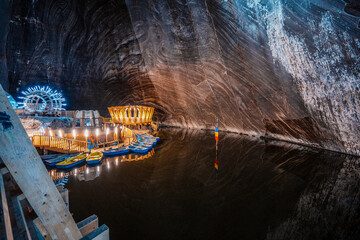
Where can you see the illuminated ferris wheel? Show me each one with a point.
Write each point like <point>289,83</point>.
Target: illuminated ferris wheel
<point>42,99</point>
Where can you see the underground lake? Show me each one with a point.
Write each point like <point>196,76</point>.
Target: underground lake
<point>261,190</point>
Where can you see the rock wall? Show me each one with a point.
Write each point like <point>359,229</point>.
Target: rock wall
<point>4,19</point>
<point>281,69</point>
<point>87,49</point>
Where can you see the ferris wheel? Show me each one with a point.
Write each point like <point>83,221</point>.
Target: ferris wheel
<point>42,99</point>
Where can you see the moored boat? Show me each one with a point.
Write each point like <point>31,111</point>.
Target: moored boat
<point>48,157</point>
<point>54,161</point>
<point>94,158</point>
<point>116,151</point>
<point>137,149</point>
<point>141,144</point>
<point>73,161</point>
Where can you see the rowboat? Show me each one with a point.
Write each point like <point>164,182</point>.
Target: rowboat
<point>147,138</point>
<point>94,158</point>
<point>136,149</point>
<point>141,144</point>
<point>116,151</point>
<point>54,161</point>
<point>48,157</point>
<point>73,161</point>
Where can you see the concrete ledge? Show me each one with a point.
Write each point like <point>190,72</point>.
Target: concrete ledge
<point>101,233</point>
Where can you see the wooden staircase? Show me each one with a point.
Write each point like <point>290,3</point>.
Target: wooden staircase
<point>19,221</point>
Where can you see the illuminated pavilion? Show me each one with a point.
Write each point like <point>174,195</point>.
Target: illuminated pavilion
<point>131,115</point>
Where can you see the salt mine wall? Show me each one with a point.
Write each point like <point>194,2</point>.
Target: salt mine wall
<point>281,69</point>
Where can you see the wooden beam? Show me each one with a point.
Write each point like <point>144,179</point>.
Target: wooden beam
<point>5,209</point>
<point>26,167</point>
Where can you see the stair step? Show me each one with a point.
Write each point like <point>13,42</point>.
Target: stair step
<point>101,233</point>
<point>21,230</point>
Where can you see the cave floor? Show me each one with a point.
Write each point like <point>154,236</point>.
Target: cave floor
<point>263,190</point>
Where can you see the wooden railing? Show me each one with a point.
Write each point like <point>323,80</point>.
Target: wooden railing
<point>66,145</point>
<point>59,144</point>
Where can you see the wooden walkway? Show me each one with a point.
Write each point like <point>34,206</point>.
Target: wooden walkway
<point>65,145</point>
<point>58,144</point>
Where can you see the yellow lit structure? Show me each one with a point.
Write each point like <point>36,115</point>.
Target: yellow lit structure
<point>131,115</point>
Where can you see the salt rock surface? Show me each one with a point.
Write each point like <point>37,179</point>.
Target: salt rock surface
<point>282,69</point>
<point>39,124</point>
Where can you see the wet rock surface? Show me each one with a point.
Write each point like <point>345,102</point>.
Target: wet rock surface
<point>282,69</point>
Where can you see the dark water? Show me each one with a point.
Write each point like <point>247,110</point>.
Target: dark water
<point>263,190</point>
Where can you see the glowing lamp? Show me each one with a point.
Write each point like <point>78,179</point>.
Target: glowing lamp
<point>86,133</point>
<point>74,133</point>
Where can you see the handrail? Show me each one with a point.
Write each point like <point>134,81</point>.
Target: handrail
<point>56,137</point>
<point>65,144</point>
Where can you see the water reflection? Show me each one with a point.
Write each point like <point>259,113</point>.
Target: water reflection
<point>89,173</point>
<point>264,190</point>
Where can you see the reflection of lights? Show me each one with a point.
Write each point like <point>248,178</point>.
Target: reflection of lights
<point>50,132</point>
<point>108,165</point>
<point>75,172</point>
<point>60,133</point>
<point>98,168</point>
<point>52,173</point>
<point>107,131</point>
<point>97,132</point>
<point>116,130</point>
<point>61,174</point>
<point>87,170</point>
<point>117,161</point>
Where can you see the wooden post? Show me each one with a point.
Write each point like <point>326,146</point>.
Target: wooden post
<point>5,209</point>
<point>26,167</point>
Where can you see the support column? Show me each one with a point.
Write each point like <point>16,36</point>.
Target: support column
<point>26,167</point>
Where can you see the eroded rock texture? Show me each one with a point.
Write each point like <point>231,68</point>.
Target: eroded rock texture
<point>284,69</point>
<point>85,48</point>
